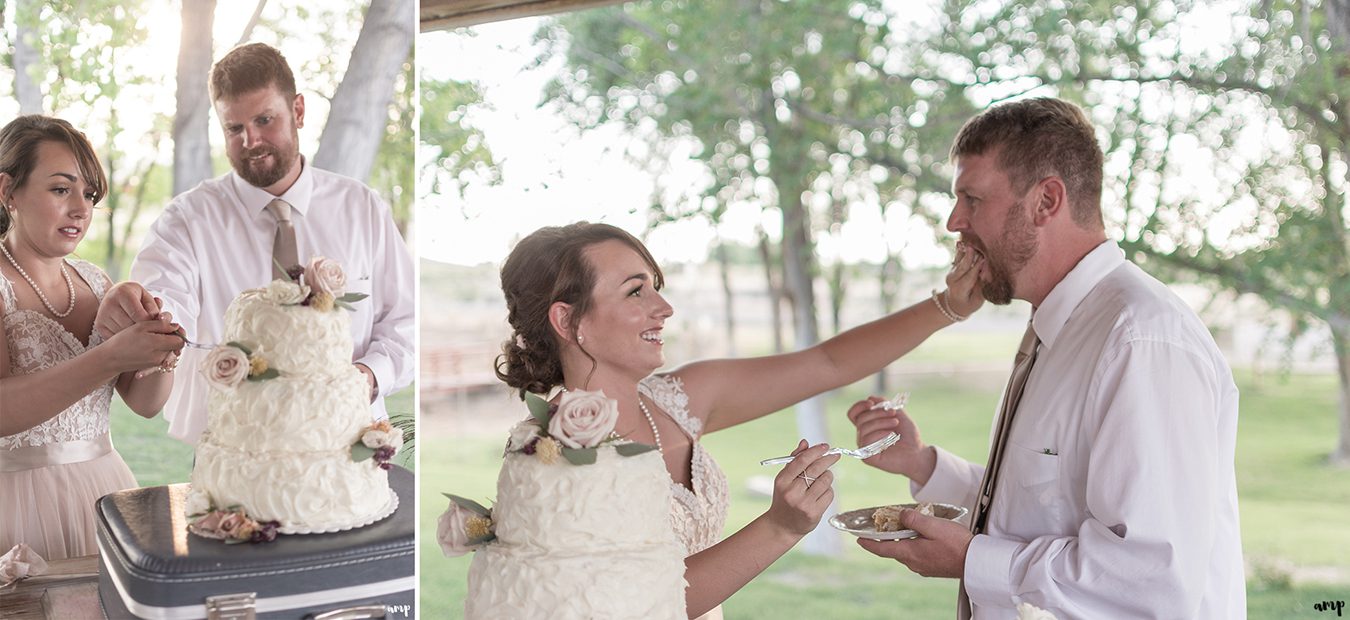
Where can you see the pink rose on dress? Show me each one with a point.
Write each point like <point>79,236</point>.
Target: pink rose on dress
<point>325,275</point>
<point>584,419</point>
<point>225,367</point>
<point>452,530</point>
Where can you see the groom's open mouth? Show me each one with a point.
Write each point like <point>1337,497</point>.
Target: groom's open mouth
<point>653,336</point>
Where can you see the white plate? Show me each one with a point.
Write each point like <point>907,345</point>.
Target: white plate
<point>859,522</point>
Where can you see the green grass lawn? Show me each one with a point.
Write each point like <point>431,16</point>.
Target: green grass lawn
<point>157,459</point>
<point>1295,509</point>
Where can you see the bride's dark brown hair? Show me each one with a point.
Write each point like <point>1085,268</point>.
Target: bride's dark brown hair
<point>19,143</point>
<point>550,266</point>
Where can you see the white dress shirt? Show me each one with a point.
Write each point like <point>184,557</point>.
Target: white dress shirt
<point>215,241</point>
<point>1117,497</point>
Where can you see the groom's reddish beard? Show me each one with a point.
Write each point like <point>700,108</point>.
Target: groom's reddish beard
<point>1007,256</point>
<point>282,160</point>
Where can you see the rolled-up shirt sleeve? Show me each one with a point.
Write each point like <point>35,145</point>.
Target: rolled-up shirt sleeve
<point>1145,547</point>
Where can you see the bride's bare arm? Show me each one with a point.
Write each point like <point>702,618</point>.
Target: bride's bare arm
<point>717,572</point>
<point>31,399</point>
<point>732,391</point>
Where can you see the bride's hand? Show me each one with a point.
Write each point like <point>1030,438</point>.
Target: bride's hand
<point>799,503</point>
<point>963,281</point>
<point>146,344</point>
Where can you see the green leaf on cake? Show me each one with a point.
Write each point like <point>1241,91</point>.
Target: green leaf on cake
<point>633,449</point>
<point>361,452</point>
<point>481,540</point>
<point>344,305</point>
<point>579,456</point>
<point>270,373</point>
<point>240,346</point>
<point>352,297</point>
<point>538,409</point>
<point>470,505</point>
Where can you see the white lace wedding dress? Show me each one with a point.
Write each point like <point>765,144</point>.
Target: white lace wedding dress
<point>51,474</point>
<point>698,516</point>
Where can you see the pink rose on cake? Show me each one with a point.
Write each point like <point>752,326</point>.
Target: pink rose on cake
<point>584,419</point>
<point>225,367</point>
<point>325,275</point>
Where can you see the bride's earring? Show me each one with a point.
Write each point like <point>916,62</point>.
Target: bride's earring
<point>581,339</point>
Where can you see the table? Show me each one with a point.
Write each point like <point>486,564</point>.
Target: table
<point>67,591</point>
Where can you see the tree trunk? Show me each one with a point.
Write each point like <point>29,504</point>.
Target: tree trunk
<point>798,281</point>
<point>191,137</point>
<point>888,281</point>
<point>728,299</point>
<point>356,122</point>
<point>1340,338</point>
<point>837,290</point>
<point>253,20</point>
<point>26,59</point>
<point>775,292</point>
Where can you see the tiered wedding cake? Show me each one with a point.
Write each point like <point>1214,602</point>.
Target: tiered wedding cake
<point>572,537</point>
<point>287,421</point>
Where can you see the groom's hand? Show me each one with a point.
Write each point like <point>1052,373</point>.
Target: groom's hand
<point>124,305</point>
<point>939,551</point>
<point>908,457</point>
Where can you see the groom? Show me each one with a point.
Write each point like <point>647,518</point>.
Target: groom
<point>222,237</point>
<point>1110,490</point>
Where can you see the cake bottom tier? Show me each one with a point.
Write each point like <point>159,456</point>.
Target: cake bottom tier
<point>307,492</point>
<point>523,582</point>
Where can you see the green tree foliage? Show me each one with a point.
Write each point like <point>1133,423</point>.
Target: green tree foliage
<point>453,151</point>
<point>1224,125</point>
<point>1262,108</point>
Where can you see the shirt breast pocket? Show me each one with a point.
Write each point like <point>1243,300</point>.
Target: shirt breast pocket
<point>1031,489</point>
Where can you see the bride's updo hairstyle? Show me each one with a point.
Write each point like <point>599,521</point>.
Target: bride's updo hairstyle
<point>549,266</point>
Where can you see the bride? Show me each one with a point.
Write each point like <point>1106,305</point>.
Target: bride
<point>56,373</point>
<point>583,301</point>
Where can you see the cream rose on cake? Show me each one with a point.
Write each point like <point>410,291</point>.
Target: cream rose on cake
<point>521,435</point>
<point>225,367</point>
<point>584,419</point>
<point>285,293</point>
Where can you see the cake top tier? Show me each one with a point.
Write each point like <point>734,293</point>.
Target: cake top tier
<point>298,326</point>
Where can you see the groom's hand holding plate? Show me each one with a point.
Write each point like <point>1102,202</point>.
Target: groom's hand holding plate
<point>938,548</point>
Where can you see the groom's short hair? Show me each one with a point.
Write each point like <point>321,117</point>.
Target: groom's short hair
<point>251,67</point>
<point>1040,137</point>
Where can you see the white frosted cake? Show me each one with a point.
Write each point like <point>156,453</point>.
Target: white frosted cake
<point>281,432</point>
<point>581,527</point>
<point>580,541</point>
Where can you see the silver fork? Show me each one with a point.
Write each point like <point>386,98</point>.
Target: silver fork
<point>868,451</point>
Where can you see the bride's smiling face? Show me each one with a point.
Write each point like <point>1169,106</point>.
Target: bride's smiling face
<point>622,330</point>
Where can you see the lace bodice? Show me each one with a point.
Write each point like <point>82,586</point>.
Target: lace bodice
<point>698,516</point>
<point>37,342</point>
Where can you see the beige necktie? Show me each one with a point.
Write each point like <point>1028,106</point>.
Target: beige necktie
<point>1012,395</point>
<point>283,247</point>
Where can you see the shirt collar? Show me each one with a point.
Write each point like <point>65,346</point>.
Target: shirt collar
<point>255,199</point>
<point>1048,320</point>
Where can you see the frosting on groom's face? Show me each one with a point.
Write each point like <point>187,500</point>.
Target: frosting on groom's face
<point>262,138</point>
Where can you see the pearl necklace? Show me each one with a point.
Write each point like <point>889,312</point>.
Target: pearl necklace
<point>656,433</point>
<point>70,286</point>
